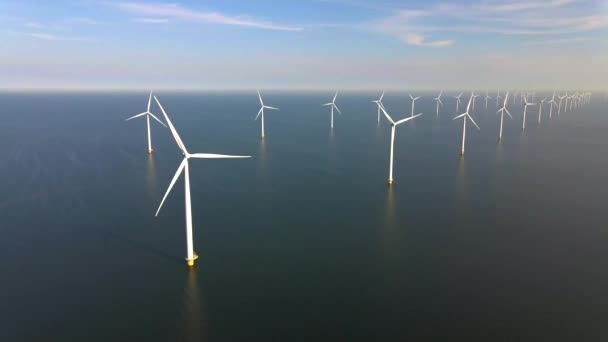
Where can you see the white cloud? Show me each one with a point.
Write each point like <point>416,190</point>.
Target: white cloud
<point>419,40</point>
<point>151,20</point>
<point>32,24</point>
<point>85,20</point>
<point>179,12</point>
<point>52,37</point>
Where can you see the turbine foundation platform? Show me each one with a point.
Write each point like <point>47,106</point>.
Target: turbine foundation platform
<point>190,262</point>
<point>150,151</point>
<point>390,182</point>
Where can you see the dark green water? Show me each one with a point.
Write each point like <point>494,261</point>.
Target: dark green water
<point>305,241</point>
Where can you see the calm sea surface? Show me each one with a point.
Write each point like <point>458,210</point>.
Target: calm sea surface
<point>304,241</point>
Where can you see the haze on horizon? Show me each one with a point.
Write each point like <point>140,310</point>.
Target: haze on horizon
<point>314,44</point>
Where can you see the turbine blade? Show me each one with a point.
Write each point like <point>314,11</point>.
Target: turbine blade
<point>334,100</point>
<point>382,96</point>
<point>508,113</point>
<point>178,140</point>
<point>386,114</point>
<point>136,116</point>
<point>149,100</point>
<point>260,112</point>
<point>338,109</point>
<point>327,104</point>
<point>214,156</point>
<point>177,173</point>
<point>473,121</point>
<point>271,107</point>
<point>160,122</point>
<point>407,119</point>
<point>459,116</point>
<point>260,97</point>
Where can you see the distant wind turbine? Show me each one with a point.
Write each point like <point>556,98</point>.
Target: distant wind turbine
<point>332,104</point>
<point>261,112</point>
<point>523,125</point>
<point>466,116</point>
<point>439,102</point>
<point>552,102</point>
<point>502,112</point>
<point>559,110</point>
<point>394,125</point>
<point>540,110</point>
<point>413,102</point>
<point>457,101</point>
<point>148,114</point>
<point>378,102</point>
<point>497,97</point>
<point>488,97</point>
<point>191,256</point>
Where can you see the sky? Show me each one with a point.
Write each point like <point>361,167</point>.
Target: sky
<point>303,44</point>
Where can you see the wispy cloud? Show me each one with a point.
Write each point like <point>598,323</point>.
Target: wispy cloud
<point>32,24</point>
<point>151,20</point>
<point>559,17</point>
<point>85,20</point>
<point>179,12</point>
<point>561,41</point>
<point>419,40</point>
<point>53,37</point>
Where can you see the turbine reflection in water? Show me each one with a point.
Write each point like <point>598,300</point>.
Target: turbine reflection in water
<point>192,312</point>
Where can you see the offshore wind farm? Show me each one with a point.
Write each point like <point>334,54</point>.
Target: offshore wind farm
<point>353,212</point>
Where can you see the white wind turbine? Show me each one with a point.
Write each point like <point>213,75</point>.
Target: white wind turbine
<point>488,97</point>
<point>502,112</point>
<point>261,112</point>
<point>413,102</point>
<point>333,105</point>
<point>540,110</point>
<point>559,110</point>
<point>191,256</point>
<point>552,102</point>
<point>497,97</point>
<point>457,101</point>
<point>474,100</point>
<point>466,116</point>
<point>148,114</point>
<point>523,125</point>
<point>379,103</point>
<point>439,102</point>
<point>394,125</point>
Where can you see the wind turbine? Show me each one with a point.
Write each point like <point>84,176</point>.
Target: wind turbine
<point>488,97</point>
<point>497,97</point>
<point>394,125</point>
<point>474,100</point>
<point>457,101</point>
<point>559,110</point>
<point>552,102</point>
<point>148,114</point>
<point>191,256</point>
<point>523,125</point>
<point>333,105</point>
<point>502,112</point>
<point>540,111</point>
<point>413,102</point>
<point>379,103</point>
<point>439,102</point>
<point>261,112</point>
<point>466,116</point>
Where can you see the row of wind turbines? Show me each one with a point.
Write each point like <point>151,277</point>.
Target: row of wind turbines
<point>576,99</point>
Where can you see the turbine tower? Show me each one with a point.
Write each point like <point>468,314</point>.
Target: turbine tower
<point>466,117</point>
<point>502,112</point>
<point>261,112</point>
<point>394,125</point>
<point>148,114</point>
<point>333,105</point>
<point>183,167</point>
<point>488,97</point>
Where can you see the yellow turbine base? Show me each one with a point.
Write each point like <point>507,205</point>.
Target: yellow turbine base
<point>461,153</point>
<point>190,262</point>
<point>390,182</point>
<point>150,151</point>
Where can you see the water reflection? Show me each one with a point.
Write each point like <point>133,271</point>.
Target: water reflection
<point>262,160</point>
<point>192,311</point>
<point>151,177</point>
<point>462,189</point>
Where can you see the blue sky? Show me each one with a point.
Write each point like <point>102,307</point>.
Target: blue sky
<point>304,44</point>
